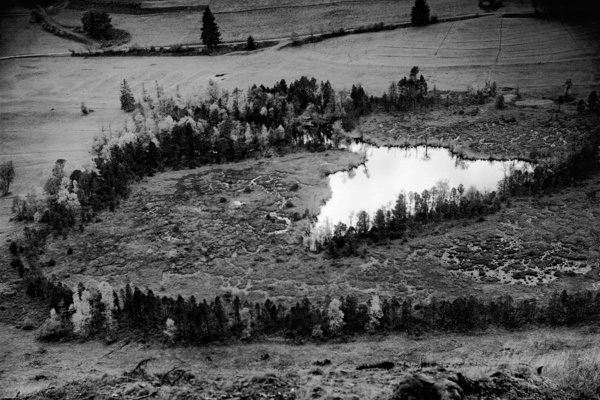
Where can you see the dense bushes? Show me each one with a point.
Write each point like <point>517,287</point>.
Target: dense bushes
<point>97,24</point>
<point>408,215</point>
<point>170,132</point>
<point>98,312</point>
<point>419,14</point>
<point>547,177</point>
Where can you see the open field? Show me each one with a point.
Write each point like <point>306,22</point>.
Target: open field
<point>221,371</point>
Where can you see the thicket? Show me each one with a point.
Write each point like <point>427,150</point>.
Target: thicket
<point>97,24</point>
<point>176,50</point>
<point>441,203</point>
<point>174,133</point>
<point>170,132</point>
<point>410,213</point>
<point>103,312</point>
<point>419,14</point>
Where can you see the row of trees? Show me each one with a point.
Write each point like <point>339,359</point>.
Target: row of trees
<point>410,213</point>
<point>406,218</point>
<point>101,311</point>
<point>97,24</point>
<point>547,177</point>
<point>171,132</point>
<point>407,93</point>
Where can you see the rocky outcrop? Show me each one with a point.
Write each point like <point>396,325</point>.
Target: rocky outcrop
<point>440,384</point>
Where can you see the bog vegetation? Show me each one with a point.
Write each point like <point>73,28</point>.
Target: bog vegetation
<point>305,115</point>
<point>102,312</point>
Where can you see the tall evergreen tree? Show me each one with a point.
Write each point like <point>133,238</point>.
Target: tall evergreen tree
<point>250,44</point>
<point>96,24</point>
<point>420,13</point>
<point>7,175</point>
<point>211,37</point>
<point>127,99</point>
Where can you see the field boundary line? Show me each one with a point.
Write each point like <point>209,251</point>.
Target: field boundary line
<point>573,39</point>
<point>500,43</point>
<point>443,40</point>
<point>35,56</point>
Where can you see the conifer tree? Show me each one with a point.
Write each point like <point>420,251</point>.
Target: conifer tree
<point>251,44</point>
<point>211,37</point>
<point>127,99</point>
<point>7,175</point>
<point>420,13</point>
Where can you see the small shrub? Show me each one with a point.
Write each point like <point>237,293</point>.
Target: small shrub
<point>97,24</point>
<point>13,248</point>
<point>500,103</point>
<point>53,330</point>
<point>17,264</point>
<point>294,187</point>
<point>295,38</point>
<point>434,19</point>
<point>250,44</point>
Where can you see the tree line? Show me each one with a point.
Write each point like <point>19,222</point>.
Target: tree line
<point>409,214</point>
<point>100,312</point>
<point>440,203</point>
<point>170,132</point>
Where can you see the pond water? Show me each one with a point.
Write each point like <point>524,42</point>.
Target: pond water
<point>389,171</point>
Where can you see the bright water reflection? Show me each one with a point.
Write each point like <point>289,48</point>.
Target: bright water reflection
<point>391,171</point>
